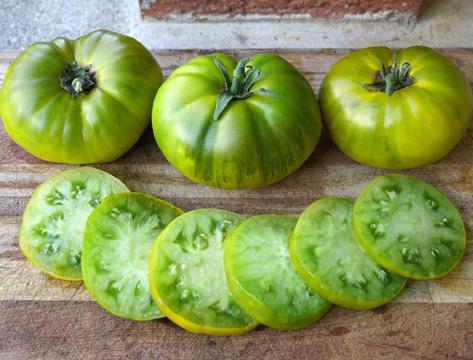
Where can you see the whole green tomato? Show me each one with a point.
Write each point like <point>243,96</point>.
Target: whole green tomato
<point>80,101</point>
<point>232,124</point>
<point>396,109</point>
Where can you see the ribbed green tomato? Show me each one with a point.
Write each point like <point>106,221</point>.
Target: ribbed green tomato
<point>396,117</point>
<point>80,101</point>
<point>244,130</point>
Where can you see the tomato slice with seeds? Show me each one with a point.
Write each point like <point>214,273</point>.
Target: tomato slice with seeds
<point>326,254</point>
<point>187,276</point>
<point>262,279</point>
<point>55,217</point>
<point>117,244</point>
<point>409,227</point>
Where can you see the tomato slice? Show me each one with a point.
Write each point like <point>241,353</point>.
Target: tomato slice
<point>187,276</point>
<point>409,227</point>
<point>326,254</point>
<point>55,217</point>
<point>261,278</point>
<point>117,244</point>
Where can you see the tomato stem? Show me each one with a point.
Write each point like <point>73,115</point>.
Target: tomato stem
<point>76,79</point>
<point>391,78</point>
<point>244,76</point>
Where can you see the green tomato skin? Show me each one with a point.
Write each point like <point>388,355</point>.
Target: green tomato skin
<point>256,141</point>
<point>415,126</point>
<point>94,127</point>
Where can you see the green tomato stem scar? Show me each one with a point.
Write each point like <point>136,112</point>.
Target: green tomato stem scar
<point>391,78</point>
<point>76,78</point>
<point>244,76</point>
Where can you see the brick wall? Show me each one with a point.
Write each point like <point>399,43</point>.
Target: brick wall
<point>202,10</point>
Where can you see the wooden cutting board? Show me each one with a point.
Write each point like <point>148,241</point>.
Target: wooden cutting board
<point>41,317</point>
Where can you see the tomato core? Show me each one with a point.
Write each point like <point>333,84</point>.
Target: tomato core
<point>76,78</point>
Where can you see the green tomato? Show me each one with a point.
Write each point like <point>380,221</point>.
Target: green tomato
<point>245,130</point>
<point>409,227</point>
<point>54,219</point>
<point>115,253</point>
<point>80,101</point>
<point>396,109</point>
<point>325,252</point>
<point>187,275</point>
<point>261,278</point>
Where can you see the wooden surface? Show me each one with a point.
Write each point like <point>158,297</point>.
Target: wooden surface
<point>41,317</point>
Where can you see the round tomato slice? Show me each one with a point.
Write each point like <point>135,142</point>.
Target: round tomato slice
<point>326,254</point>
<point>261,278</point>
<point>115,254</point>
<point>409,227</point>
<point>80,101</point>
<point>55,217</point>
<point>187,276</point>
<point>396,109</point>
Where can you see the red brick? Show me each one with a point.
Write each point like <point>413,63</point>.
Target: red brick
<point>163,9</point>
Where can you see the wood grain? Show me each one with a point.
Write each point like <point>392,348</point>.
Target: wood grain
<point>82,330</point>
<point>41,317</point>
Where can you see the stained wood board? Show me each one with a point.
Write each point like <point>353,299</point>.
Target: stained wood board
<point>41,317</point>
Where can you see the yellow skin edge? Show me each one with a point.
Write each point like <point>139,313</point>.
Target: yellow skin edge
<point>188,325</point>
<point>193,327</point>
